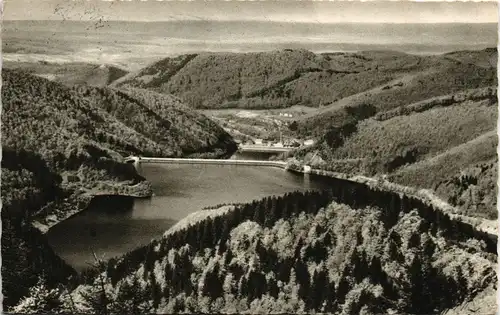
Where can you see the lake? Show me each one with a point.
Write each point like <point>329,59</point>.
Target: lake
<point>114,226</point>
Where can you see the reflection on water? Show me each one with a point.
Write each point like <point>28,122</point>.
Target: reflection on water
<point>253,155</point>
<point>307,181</point>
<point>113,226</point>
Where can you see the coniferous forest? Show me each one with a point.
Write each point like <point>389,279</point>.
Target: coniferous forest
<point>382,199</point>
<point>350,249</point>
<point>59,149</point>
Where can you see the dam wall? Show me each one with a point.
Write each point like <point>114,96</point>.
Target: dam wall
<point>278,164</point>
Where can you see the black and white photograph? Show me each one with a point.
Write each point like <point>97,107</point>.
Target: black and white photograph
<point>249,157</point>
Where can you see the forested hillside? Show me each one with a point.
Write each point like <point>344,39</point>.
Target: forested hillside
<point>85,131</point>
<point>349,250</point>
<point>162,119</point>
<point>422,121</point>
<point>287,77</point>
<point>446,143</point>
<point>60,148</point>
<point>27,185</point>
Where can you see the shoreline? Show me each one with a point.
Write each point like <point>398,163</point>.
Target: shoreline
<point>144,190</point>
<point>80,202</point>
<point>427,196</point>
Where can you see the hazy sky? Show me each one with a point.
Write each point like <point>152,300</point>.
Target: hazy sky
<point>283,11</point>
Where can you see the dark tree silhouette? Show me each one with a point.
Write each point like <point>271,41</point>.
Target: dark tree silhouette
<point>303,278</point>
<point>317,293</point>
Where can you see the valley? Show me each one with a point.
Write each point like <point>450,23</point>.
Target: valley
<point>377,131</point>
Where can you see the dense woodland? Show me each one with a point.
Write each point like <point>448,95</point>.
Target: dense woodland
<point>27,185</point>
<point>60,148</point>
<point>287,77</point>
<point>349,250</point>
<point>172,129</point>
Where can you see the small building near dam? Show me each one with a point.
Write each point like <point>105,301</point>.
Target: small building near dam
<point>309,142</point>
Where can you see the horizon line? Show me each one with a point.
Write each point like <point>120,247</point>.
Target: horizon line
<point>238,20</point>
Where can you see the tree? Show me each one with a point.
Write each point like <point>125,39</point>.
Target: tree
<point>284,268</point>
<point>260,250</point>
<point>271,215</point>
<point>359,265</point>
<point>319,289</point>
<point>273,288</point>
<point>235,217</point>
<point>216,228</point>
<point>97,297</point>
<point>257,285</point>
<point>132,298</point>
<point>303,278</point>
<point>428,248</point>
<point>156,293</point>
<point>285,212</point>
<point>207,238</point>
<point>278,214</point>
<point>295,207</point>
<point>41,299</point>
<point>228,257</point>
<point>259,215</point>
<point>213,284</point>
<point>416,284</point>
<point>375,270</point>
<point>226,230</point>
<point>298,248</point>
<point>149,261</point>
<point>312,206</point>
<point>343,288</point>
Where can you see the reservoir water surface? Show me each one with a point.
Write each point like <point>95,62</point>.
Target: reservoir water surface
<point>112,227</point>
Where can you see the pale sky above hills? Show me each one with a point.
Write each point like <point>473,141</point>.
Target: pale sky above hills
<point>280,11</point>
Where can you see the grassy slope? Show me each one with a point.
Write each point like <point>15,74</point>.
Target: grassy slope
<point>71,73</point>
<point>58,143</point>
<point>426,144</point>
<point>428,132</point>
<point>465,175</point>
<point>435,80</point>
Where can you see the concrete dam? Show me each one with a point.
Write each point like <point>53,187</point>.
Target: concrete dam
<point>138,160</point>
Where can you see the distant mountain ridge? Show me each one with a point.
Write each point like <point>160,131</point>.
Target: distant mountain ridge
<point>289,77</point>
<point>71,73</point>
